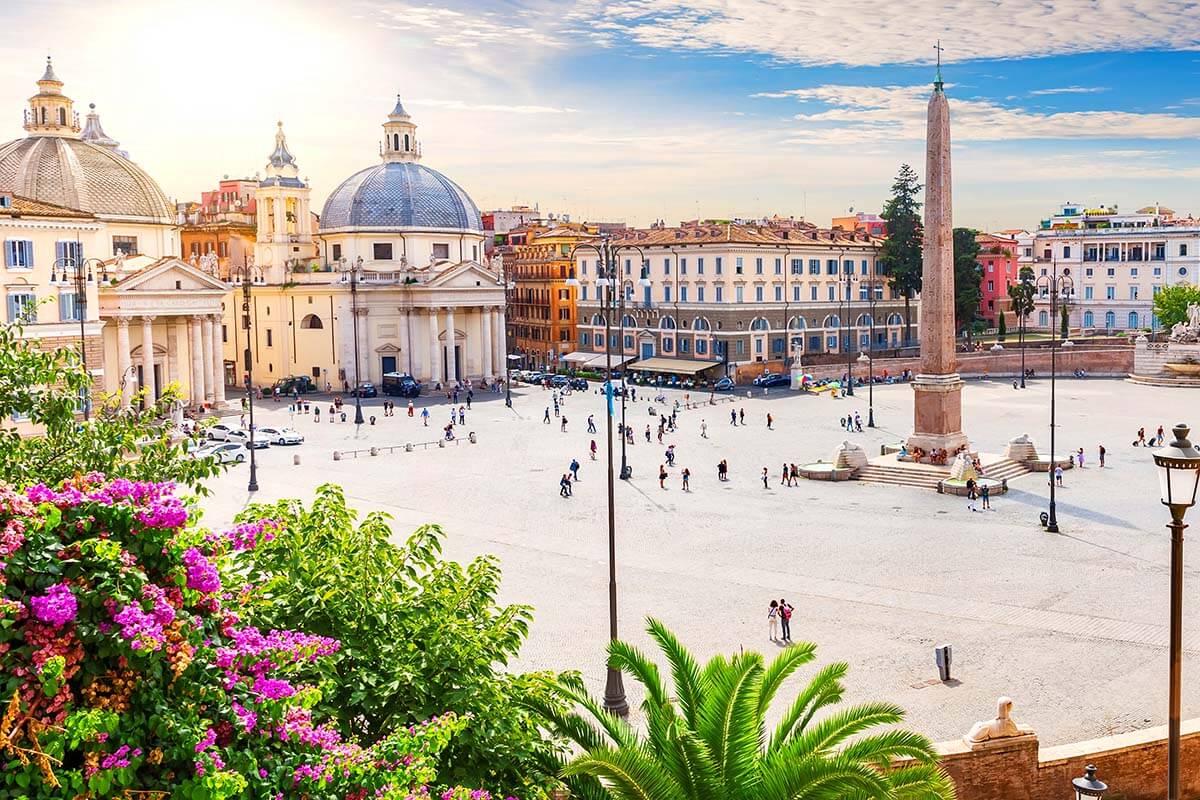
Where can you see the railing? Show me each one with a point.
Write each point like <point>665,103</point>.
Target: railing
<point>408,447</point>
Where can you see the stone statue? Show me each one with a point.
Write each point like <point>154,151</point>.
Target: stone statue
<point>1001,727</point>
<point>119,261</point>
<point>1193,316</point>
<point>1188,332</point>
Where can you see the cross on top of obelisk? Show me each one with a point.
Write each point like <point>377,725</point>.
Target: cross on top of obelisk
<point>937,81</point>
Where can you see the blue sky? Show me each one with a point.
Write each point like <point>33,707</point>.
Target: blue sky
<point>643,109</point>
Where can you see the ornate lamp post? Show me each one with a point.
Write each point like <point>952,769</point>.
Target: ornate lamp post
<point>869,361</point>
<point>1089,787</point>
<point>1027,290</point>
<point>509,287</point>
<point>352,271</point>
<point>80,278</point>
<point>849,274</point>
<point>1054,285</point>
<point>246,276</point>
<point>1178,476</point>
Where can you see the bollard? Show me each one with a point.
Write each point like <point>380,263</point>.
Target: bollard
<point>337,456</point>
<point>472,437</point>
<point>943,655</point>
<point>296,460</point>
<point>408,448</point>
<point>748,394</point>
<point>372,419</point>
<point>441,442</point>
<point>374,451</point>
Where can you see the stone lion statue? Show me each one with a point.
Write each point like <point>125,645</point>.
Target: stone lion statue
<point>999,728</point>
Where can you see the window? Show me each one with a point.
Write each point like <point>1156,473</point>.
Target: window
<point>1066,251</point>
<point>720,293</point>
<point>583,292</point>
<point>699,294</point>
<point>758,294</point>
<point>795,294</point>
<point>125,244</point>
<point>311,322</point>
<point>1089,272</point>
<point>1089,319</point>
<point>1088,293</point>
<point>741,348</point>
<point>22,305</point>
<point>699,266</point>
<point>779,266</point>
<point>814,266</point>
<point>68,307</point>
<point>666,345</point>
<point>666,293</point>
<point>863,267</point>
<point>1110,293</point>
<point>1132,320</point>
<point>701,347</point>
<point>1112,273</point>
<point>68,251</point>
<point>585,338</point>
<point>1160,251</point>
<point>683,346</point>
<point>778,294</point>
<point>737,295</point>
<point>758,348</point>
<point>270,338</point>
<point>440,251</point>
<point>738,265</point>
<point>382,251</point>
<point>336,252</point>
<point>666,266</point>
<point>683,266</point>
<point>628,342</point>
<point>991,286</point>
<point>683,294</point>
<point>1133,272</point>
<point>1158,272</point>
<point>1183,249</point>
<point>1043,318</point>
<point>848,266</point>
<point>18,253</point>
<point>831,266</point>
<point>812,292</point>
<point>1133,293</point>
<point>1110,319</point>
<point>797,266</point>
<point>719,263</point>
<point>224,333</point>
<point>833,293</point>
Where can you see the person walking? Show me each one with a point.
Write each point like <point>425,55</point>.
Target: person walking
<point>462,416</point>
<point>971,494</point>
<point>732,417</point>
<point>857,423</point>
<point>470,397</point>
<point>794,478</point>
<point>770,421</point>
<point>703,429</point>
<point>563,426</point>
<point>687,476</point>
<point>722,470</point>
<point>592,449</point>
<point>425,417</point>
<point>785,619</point>
<point>783,476</point>
<point>985,495</point>
<point>410,408</point>
<point>766,478</point>
<point>773,620</point>
<point>742,416</point>
<point>1102,452</point>
<point>1141,438</point>
<point>647,433</point>
<point>1058,472</point>
<point>546,418</point>
<point>564,486</point>
<point>662,477</point>
<point>1079,457</point>
<point>591,423</point>
<point>671,455</point>
<point>316,413</point>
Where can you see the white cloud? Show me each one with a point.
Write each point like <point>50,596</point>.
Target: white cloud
<point>1071,90</point>
<point>446,27</point>
<point>459,105</point>
<point>820,32</point>
<point>862,114</point>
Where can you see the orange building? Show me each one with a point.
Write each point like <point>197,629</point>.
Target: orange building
<point>541,313</point>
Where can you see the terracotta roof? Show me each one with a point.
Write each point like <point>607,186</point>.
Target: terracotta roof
<point>27,207</point>
<point>732,233</point>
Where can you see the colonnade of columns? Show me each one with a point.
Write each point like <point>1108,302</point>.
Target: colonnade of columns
<point>206,373</point>
<point>492,345</point>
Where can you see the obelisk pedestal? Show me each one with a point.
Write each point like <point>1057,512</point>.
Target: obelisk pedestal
<point>937,406</point>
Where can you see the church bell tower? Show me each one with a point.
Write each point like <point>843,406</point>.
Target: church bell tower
<point>400,136</point>
<point>51,113</point>
<point>284,235</point>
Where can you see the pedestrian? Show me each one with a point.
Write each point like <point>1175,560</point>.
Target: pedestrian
<point>410,408</point>
<point>660,434</point>
<point>546,418</point>
<point>857,422</point>
<point>971,494</point>
<point>773,619</point>
<point>783,476</point>
<point>1159,435</point>
<point>794,478</point>
<point>317,414</point>
<point>556,407</point>
<point>647,433</point>
<point>1079,457</point>
<point>785,619</point>
<point>985,494</point>
<point>770,421</point>
<point>671,455</point>
<point>470,397</point>
<point>722,470</point>
<point>574,468</point>
<point>662,476</point>
<point>703,429</point>
<point>462,416</point>
<point>766,478</point>
<point>591,423</point>
<point>1102,452</point>
<point>425,417</point>
<point>742,416</point>
<point>732,417</point>
<point>592,449</point>
<point>687,476</point>
<point>564,486</point>
<point>563,427</point>
<point>1058,475</point>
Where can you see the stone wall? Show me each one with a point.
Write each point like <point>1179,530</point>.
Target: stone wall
<point>1134,765</point>
<point>1149,357</point>
<point>1109,361</point>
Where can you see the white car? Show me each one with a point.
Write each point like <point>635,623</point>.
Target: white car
<point>222,432</point>
<point>226,452</point>
<point>279,436</point>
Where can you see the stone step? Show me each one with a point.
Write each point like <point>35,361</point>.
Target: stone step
<point>916,476</point>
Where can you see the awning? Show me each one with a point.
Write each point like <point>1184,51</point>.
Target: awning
<point>588,360</point>
<point>677,366</point>
<point>580,356</point>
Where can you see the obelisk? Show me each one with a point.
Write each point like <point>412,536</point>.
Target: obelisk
<point>937,407</point>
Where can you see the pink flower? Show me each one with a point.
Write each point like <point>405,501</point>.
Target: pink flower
<point>57,606</point>
<point>201,574</point>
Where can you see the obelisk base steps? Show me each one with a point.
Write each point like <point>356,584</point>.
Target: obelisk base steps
<point>937,413</point>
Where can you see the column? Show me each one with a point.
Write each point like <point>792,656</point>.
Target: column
<point>148,361</point>
<point>500,336</point>
<point>451,361</point>
<point>196,377</point>
<point>404,361</point>
<point>367,354</point>
<point>172,350</point>
<point>280,220</point>
<point>124,366</point>
<point>206,350</point>
<point>218,357</point>
<point>435,355</point>
<point>487,359</point>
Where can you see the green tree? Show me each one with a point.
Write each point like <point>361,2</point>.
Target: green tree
<point>1001,327</point>
<point>1171,302</point>
<point>1022,294</point>
<point>1064,313</point>
<point>900,255</point>
<point>48,388</point>
<point>420,636</point>
<point>967,276</point>
<point>706,737</point>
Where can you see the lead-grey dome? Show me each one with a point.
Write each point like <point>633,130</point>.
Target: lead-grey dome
<point>82,175</point>
<point>400,194</point>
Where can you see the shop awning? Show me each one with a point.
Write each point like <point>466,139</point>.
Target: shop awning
<point>674,366</point>
<point>595,361</point>
<point>579,356</point>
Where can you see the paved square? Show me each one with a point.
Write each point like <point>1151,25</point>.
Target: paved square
<point>1072,626</point>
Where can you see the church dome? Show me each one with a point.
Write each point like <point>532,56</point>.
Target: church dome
<point>78,174</point>
<point>400,194</point>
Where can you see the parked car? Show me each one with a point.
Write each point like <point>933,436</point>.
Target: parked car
<point>221,432</point>
<point>579,384</point>
<point>365,390</point>
<point>244,438</point>
<point>401,384</point>
<point>724,385</point>
<point>302,384</point>
<point>759,380</point>
<point>278,436</point>
<point>536,377</point>
<point>560,381</point>
<point>771,381</point>
<point>224,453</point>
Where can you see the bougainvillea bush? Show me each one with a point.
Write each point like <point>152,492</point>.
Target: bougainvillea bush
<point>130,672</point>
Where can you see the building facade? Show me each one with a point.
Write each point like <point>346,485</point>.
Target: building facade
<point>998,270</point>
<point>541,301</point>
<point>871,224</point>
<point>740,293</point>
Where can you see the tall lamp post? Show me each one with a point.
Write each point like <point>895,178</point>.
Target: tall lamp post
<point>849,273</point>
<point>1027,291</point>
<point>509,287</point>
<point>246,276</point>
<point>1178,476</point>
<point>352,270</point>
<point>81,277</point>
<point>1054,285</point>
<point>869,356</point>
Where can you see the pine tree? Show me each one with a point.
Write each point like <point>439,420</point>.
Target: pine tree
<point>1066,322</point>
<point>900,255</point>
<point>1001,328</point>
<point>967,277</point>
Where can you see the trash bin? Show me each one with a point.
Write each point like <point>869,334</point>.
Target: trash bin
<point>337,456</point>
<point>296,459</point>
<point>942,655</point>
<point>472,437</point>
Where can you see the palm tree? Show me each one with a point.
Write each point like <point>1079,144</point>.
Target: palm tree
<point>708,739</point>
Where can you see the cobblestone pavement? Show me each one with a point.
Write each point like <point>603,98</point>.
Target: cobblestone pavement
<point>1072,626</point>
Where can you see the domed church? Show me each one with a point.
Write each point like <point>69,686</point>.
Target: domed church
<point>398,285</point>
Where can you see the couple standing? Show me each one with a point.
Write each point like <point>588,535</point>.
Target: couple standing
<point>779,614</point>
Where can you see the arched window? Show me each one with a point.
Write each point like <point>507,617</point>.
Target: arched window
<point>797,324</point>
<point>406,142</point>
<point>864,321</point>
<point>62,116</point>
<point>1110,319</point>
<point>628,321</point>
<point>701,324</point>
<point>760,324</point>
<point>1133,320</point>
<point>597,319</point>
<point>666,323</point>
<point>395,141</point>
<point>311,322</point>
<point>1089,319</point>
<point>1043,319</point>
<point>832,321</point>
<point>895,319</point>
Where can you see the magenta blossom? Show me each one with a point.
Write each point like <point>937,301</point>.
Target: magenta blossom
<point>57,606</point>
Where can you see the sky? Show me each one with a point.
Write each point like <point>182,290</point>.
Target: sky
<point>638,110</point>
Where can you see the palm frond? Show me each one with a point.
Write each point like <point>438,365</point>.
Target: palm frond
<point>627,658</point>
<point>824,689</point>
<point>821,778</point>
<point>685,672</point>
<point>881,749</point>
<point>828,733</point>
<point>571,689</point>
<point>729,722</point>
<point>921,782</point>
<point>628,774</point>
<point>779,670</point>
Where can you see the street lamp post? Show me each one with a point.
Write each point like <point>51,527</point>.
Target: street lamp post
<point>353,270</point>
<point>1088,786</point>
<point>509,288</point>
<point>247,276</point>
<point>1026,296</point>
<point>80,279</point>
<point>863,358</point>
<point>1054,285</point>
<point>1179,474</point>
<point>871,299</point>
<point>849,273</point>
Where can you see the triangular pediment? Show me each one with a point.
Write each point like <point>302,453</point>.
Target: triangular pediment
<point>387,349</point>
<point>464,275</point>
<point>170,275</point>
